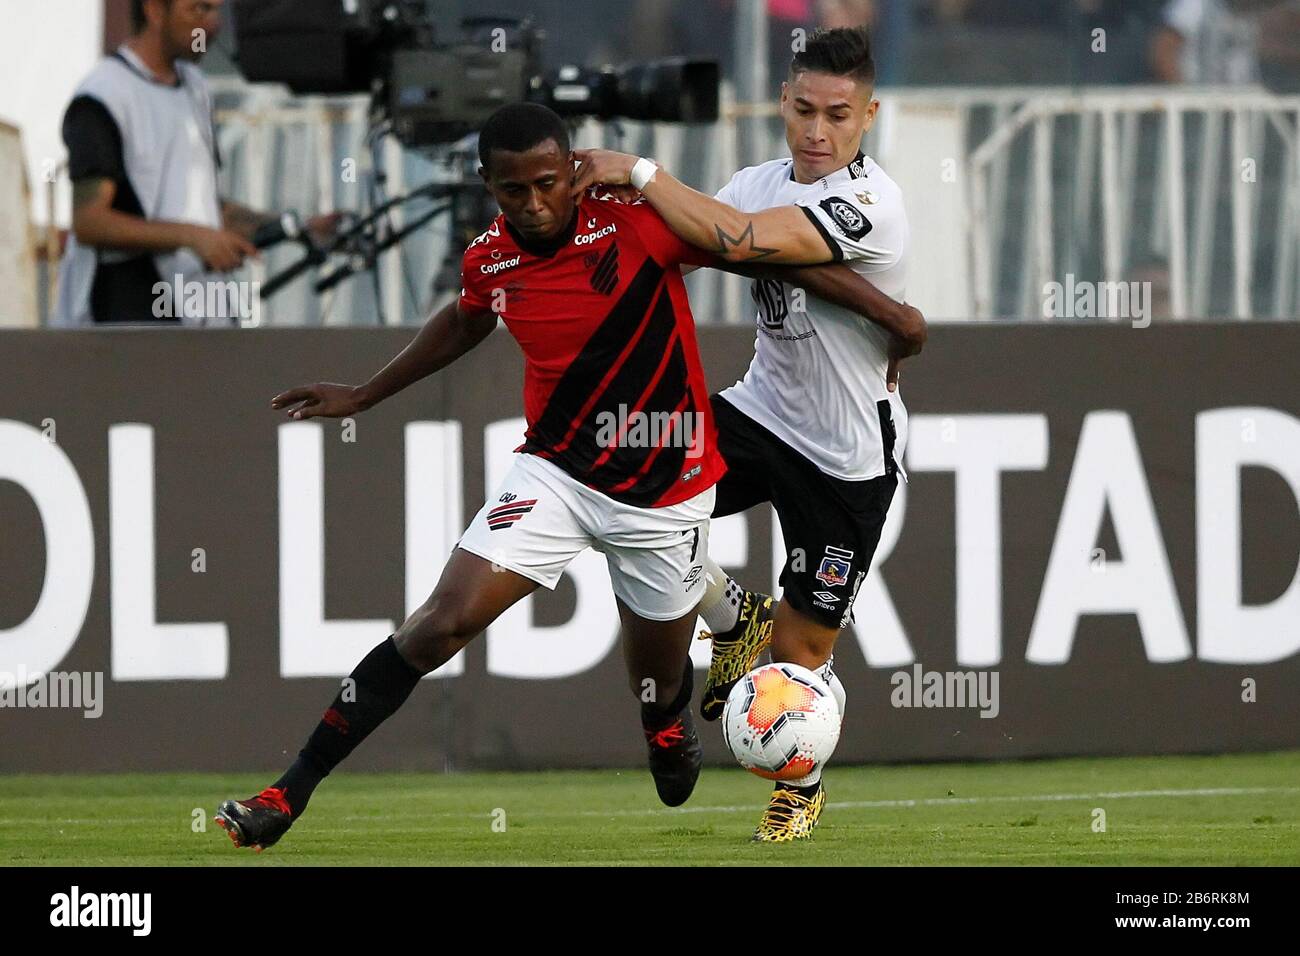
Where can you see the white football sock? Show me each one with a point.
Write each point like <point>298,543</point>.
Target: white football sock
<point>827,673</point>
<point>720,606</point>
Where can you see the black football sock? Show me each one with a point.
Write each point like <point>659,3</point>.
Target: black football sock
<point>652,715</point>
<point>377,687</point>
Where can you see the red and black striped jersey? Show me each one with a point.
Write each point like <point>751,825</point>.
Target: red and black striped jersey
<point>614,392</point>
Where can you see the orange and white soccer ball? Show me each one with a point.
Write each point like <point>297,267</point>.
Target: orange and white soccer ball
<point>781,721</point>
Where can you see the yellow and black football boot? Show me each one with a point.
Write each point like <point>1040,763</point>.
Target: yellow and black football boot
<point>736,652</point>
<point>790,815</point>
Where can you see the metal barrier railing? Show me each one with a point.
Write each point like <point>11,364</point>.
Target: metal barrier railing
<point>1183,133</point>
<point>1112,178</point>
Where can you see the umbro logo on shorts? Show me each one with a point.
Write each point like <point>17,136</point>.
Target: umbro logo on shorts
<point>506,515</point>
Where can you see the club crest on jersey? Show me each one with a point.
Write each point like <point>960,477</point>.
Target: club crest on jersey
<point>834,570</point>
<point>604,275</point>
<point>848,219</point>
<point>506,515</point>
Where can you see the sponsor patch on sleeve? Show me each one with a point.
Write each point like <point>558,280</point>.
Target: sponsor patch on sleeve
<point>849,220</point>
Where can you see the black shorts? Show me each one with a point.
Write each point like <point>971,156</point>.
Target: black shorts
<point>831,525</point>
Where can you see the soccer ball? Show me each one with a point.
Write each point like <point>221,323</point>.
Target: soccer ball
<point>781,721</point>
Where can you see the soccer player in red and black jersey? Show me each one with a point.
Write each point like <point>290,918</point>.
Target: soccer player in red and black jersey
<point>619,454</point>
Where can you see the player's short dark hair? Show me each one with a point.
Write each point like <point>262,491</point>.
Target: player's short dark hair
<point>519,127</point>
<point>844,51</point>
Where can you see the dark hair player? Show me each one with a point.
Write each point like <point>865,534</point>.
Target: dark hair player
<point>817,426</point>
<point>590,287</point>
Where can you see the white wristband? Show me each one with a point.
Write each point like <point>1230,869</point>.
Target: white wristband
<point>642,172</point>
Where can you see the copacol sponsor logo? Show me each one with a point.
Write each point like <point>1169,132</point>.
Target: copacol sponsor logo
<point>921,688</point>
<point>587,238</point>
<point>492,268</point>
<point>651,430</point>
<point>77,909</point>
<point>1072,299</point>
<point>54,689</point>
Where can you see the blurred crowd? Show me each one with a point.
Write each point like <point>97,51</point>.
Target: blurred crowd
<point>932,42</point>
<point>917,43</point>
<point>942,42</point>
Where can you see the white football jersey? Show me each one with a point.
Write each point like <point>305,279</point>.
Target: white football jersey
<point>819,371</point>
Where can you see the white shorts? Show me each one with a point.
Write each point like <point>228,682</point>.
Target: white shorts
<point>540,519</point>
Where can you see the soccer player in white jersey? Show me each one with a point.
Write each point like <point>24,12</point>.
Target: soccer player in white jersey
<point>817,426</point>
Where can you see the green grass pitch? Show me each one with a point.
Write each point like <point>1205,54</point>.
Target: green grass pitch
<point>1222,810</point>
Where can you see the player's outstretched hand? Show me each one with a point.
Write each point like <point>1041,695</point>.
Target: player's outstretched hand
<point>322,400</point>
<point>601,167</point>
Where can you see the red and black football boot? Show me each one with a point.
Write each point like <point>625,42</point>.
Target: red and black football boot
<point>675,755</point>
<point>257,822</point>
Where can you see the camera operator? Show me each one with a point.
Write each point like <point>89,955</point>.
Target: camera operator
<point>143,161</point>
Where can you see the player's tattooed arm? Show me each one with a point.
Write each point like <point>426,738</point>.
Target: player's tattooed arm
<point>782,234</point>
<point>449,334</point>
